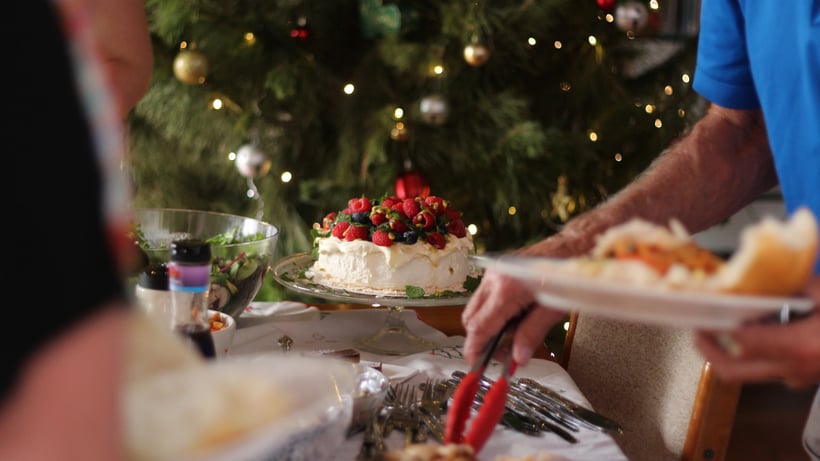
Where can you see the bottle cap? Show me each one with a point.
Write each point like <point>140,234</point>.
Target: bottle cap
<point>154,277</point>
<point>190,251</point>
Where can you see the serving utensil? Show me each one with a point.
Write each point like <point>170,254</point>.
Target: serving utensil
<point>494,398</point>
<point>532,407</point>
<point>589,418</point>
<point>525,416</point>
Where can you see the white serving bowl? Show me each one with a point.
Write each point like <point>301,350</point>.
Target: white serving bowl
<point>223,337</point>
<point>313,397</point>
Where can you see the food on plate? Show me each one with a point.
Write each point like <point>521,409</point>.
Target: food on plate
<point>453,452</point>
<point>181,414</point>
<point>774,258</point>
<point>403,247</point>
<point>431,452</point>
<point>176,404</point>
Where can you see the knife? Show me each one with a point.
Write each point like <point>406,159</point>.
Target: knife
<point>594,418</point>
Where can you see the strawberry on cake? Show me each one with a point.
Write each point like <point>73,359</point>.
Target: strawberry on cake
<point>393,247</point>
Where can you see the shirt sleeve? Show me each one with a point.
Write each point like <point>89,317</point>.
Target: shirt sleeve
<point>722,71</point>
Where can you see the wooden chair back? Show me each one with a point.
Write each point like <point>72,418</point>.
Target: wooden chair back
<point>653,381</point>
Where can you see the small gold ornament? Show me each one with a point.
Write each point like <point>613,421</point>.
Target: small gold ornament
<point>191,66</point>
<point>476,54</point>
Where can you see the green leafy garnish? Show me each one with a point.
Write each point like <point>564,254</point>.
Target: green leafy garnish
<point>471,283</point>
<point>232,237</point>
<point>414,292</point>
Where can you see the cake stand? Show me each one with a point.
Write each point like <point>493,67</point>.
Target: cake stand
<point>394,337</point>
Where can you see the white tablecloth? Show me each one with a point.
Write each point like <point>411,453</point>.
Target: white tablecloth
<point>312,331</point>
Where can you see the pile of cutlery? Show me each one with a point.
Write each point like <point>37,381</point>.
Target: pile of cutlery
<point>531,408</point>
<point>417,411</point>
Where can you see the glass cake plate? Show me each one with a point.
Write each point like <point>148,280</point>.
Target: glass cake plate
<point>394,338</point>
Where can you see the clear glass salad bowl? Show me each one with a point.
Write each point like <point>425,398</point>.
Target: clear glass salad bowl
<point>242,249</point>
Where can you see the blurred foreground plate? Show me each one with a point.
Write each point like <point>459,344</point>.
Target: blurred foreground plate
<point>639,304</point>
<point>312,401</point>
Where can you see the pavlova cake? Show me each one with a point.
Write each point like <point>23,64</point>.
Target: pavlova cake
<point>393,247</point>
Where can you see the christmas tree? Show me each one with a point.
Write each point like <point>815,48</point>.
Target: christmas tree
<point>520,113</point>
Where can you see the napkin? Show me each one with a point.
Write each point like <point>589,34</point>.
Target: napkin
<point>277,311</point>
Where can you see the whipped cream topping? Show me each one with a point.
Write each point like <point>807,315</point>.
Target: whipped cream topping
<point>364,267</point>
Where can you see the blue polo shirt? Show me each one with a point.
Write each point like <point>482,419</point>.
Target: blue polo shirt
<point>766,54</point>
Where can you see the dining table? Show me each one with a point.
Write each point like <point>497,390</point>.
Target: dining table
<point>315,329</point>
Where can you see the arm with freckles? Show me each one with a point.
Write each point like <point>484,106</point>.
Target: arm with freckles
<point>700,180</point>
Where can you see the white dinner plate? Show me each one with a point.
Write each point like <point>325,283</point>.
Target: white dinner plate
<point>636,303</point>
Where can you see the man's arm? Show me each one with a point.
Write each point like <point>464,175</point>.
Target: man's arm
<point>702,179</point>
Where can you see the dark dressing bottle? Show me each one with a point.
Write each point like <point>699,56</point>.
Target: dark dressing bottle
<point>189,271</point>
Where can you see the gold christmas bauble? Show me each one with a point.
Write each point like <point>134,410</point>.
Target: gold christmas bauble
<point>476,54</point>
<point>191,66</point>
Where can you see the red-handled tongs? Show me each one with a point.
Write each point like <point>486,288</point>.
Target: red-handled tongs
<point>494,401</point>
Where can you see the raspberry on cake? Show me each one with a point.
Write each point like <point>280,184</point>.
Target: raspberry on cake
<point>384,247</point>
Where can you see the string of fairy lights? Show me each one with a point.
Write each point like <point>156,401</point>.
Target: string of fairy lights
<point>191,66</point>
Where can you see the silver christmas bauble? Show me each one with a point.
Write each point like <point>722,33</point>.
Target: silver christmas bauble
<point>252,162</point>
<point>434,110</point>
<point>631,16</point>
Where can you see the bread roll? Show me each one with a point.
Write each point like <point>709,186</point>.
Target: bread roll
<point>773,258</point>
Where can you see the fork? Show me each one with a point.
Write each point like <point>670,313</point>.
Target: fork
<point>432,395</point>
<point>372,441</point>
<point>402,414</point>
<point>430,409</point>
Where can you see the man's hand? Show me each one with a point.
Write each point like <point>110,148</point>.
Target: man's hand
<point>497,299</point>
<point>765,352</point>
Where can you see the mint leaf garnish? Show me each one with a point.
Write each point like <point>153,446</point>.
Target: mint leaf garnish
<point>414,292</point>
<point>471,283</point>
